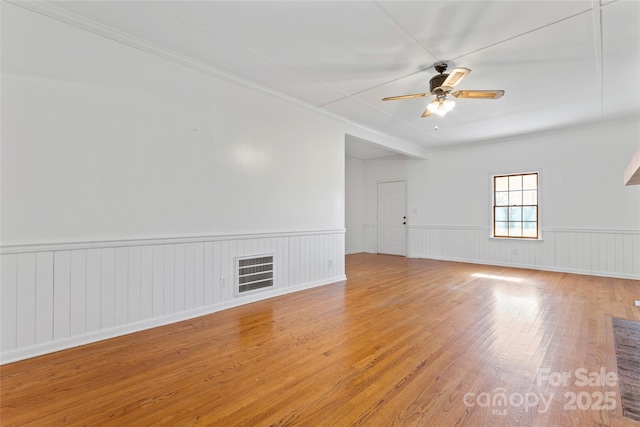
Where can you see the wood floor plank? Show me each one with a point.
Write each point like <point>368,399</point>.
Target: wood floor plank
<point>406,342</point>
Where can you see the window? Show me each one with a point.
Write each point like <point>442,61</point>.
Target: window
<point>515,206</point>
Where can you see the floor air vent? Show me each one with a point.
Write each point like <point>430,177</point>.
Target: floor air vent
<point>255,273</point>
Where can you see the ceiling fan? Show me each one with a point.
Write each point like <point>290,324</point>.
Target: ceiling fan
<point>442,85</point>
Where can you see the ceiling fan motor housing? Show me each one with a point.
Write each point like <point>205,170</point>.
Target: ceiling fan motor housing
<point>436,82</point>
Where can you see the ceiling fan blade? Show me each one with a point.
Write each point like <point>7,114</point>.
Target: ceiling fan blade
<point>426,113</point>
<point>478,94</point>
<point>415,95</point>
<point>455,76</point>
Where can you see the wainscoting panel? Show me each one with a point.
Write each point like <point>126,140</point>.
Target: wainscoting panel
<point>613,253</point>
<point>63,295</point>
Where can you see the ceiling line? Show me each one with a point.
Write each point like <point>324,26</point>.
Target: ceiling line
<point>522,34</point>
<point>406,32</point>
<point>462,55</point>
<point>241,46</point>
<point>378,85</point>
<point>398,78</point>
<point>597,44</point>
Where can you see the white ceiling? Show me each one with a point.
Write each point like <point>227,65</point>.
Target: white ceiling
<point>561,63</point>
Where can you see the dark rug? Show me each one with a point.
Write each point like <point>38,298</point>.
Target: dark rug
<point>626,336</point>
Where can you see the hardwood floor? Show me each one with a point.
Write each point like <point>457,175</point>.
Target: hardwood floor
<point>401,342</point>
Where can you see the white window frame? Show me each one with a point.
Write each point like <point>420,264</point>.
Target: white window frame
<point>492,192</point>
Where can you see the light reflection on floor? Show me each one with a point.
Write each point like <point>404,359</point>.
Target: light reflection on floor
<point>492,276</point>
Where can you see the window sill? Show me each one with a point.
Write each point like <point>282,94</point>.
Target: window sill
<point>518,239</point>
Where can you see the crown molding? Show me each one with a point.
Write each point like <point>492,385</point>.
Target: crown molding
<point>49,9</point>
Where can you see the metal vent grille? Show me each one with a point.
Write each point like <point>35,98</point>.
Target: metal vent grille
<point>255,273</point>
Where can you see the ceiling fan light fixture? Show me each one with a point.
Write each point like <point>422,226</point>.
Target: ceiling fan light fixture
<point>442,85</point>
<point>441,106</point>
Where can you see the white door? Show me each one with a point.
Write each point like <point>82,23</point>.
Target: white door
<point>392,218</point>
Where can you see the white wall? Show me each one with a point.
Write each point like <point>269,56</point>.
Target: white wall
<point>590,220</point>
<point>581,179</point>
<point>130,183</point>
<point>101,141</point>
<point>354,205</point>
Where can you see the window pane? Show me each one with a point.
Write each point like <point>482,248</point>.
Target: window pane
<point>529,213</point>
<point>502,183</point>
<point>515,229</point>
<point>515,198</point>
<point>529,229</point>
<point>501,229</point>
<point>530,182</point>
<point>515,206</point>
<point>515,182</point>
<point>530,197</point>
<point>515,214</point>
<point>502,198</point>
<point>501,214</point>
